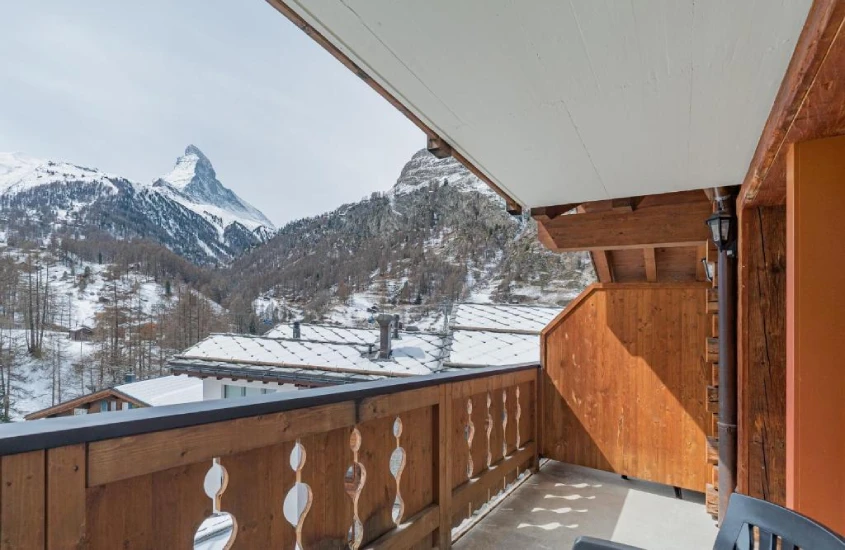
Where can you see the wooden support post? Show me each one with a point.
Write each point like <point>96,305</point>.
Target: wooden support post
<point>443,468</point>
<point>538,411</point>
<point>650,264</point>
<point>601,260</point>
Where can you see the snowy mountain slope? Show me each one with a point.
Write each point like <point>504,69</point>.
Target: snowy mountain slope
<point>439,235</point>
<point>19,172</point>
<point>424,169</point>
<point>189,210</point>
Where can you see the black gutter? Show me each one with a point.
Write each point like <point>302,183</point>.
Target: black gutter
<point>48,433</point>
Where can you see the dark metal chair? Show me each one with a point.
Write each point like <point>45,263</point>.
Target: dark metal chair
<point>773,524</point>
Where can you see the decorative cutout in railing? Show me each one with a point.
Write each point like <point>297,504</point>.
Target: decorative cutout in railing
<point>488,423</point>
<point>469,434</point>
<point>420,481</point>
<point>354,480</point>
<point>397,466</point>
<point>217,531</point>
<point>517,417</point>
<point>504,422</point>
<point>298,500</point>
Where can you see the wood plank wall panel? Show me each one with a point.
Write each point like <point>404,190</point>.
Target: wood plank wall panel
<point>330,516</point>
<point>624,372</point>
<point>762,354</point>
<point>22,499</point>
<point>258,483</point>
<point>417,483</point>
<point>161,510</point>
<point>376,501</point>
<point>66,497</point>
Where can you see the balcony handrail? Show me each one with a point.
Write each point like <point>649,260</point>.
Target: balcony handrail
<point>50,433</point>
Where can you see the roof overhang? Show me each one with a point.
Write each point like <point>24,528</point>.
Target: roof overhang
<point>557,103</point>
<point>84,400</point>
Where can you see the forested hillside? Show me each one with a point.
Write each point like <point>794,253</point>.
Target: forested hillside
<point>438,236</point>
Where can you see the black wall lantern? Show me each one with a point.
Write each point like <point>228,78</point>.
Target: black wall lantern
<point>722,230</point>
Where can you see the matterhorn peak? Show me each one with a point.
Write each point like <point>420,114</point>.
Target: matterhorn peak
<point>198,188</point>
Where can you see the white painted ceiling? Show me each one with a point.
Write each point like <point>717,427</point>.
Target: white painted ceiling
<point>567,101</point>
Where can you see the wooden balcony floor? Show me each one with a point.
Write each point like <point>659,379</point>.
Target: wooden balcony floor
<point>562,502</point>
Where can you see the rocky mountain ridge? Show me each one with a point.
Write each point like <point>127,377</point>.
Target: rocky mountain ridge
<point>439,235</point>
<point>188,210</point>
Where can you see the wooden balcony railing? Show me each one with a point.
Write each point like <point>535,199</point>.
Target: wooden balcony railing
<point>389,464</point>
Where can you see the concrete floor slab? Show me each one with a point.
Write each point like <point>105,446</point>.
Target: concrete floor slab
<point>562,502</point>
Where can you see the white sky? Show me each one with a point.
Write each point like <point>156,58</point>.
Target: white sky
<point>125,86</point>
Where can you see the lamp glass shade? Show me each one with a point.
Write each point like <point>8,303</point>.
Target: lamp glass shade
<point>721,229</point>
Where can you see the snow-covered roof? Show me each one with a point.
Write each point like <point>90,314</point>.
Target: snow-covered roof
<point>413,353</point>
<point>310,376</point>
<point>518,318</point>
<point>478,348</point>
<point>480,335</point>
<point>165,390</point>
<point>326,333</point>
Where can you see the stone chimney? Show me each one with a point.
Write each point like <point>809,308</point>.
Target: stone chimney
<point>384,322</point>
<point>396,327</point>
<point>297,332</point>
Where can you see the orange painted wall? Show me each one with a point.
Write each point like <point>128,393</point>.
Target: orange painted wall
<point>815,301</point>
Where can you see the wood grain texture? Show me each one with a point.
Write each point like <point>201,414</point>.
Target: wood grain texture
<point>161,510</point>
<point>122,458</point>
<point>409,534</point>
<point>625,379</point>
<point>762,354</point>
<point>445,467</point>
<point>330,517</point>
<point>664,225</point>
<point>22,507</point>
<point>66,497</point>
<point>259,480</point>
<point>808,104</point>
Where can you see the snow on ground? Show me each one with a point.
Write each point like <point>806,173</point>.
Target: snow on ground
<point>19,172</point>
<point>35,388</point>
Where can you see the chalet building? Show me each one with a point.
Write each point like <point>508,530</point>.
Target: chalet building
<point>299,355</point>
<point>81,334</point>
<point>697,151</point>
<point>166,390</point>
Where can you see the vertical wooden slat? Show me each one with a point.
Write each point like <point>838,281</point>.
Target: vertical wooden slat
<point>65,497</point>
<point>443,535</point>
<point>631,353</point>
<point>22,509</point>
<point>120,514</point>
<point>330,517</point>
<point>179,505</point>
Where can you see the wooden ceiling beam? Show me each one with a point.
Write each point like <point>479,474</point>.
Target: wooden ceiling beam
<point>808,104</point>
<point>552,212</point>
<point>664,225</point>
<point>650,264</point>
<point>603,265</point>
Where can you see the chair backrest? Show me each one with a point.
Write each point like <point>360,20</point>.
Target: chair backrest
<point>774,524</point>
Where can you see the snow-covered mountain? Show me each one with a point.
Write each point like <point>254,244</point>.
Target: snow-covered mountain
<point>439,235</point>
<point>188,210</point>
<point>194,184</point>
